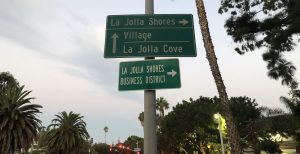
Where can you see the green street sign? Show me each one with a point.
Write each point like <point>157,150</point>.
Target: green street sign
<point>149,74</point>
<point>158,35</point>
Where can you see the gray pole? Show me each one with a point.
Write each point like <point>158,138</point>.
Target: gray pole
<point>150,136</point>
<point>150,139</point>
<point>221,138</point>
<point>149,7</point>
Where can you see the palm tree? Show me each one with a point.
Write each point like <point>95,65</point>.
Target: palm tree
<point>293,104</point>
<point>67,133</point>
<point>18,120</point>
<point>212,59</point>
<point>6,80</point>
<point>40,139</point>
<point>161,105</point>
<point>141,118</point>
<point>283,69</point>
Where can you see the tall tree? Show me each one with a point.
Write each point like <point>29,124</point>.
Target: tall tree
<point>259,125</point>
<point>85,147</point>
<point>18,120</point>
<point>41,140</point>
<point>272,24</point>
<point>293,104</point>
<point>190,126</point>
<point>254,128</point>
<point>67,134</point>
<point>161,105</point>
<point>6,80</point>
<point>233,134</point>
<point>101,148</point>
<point>134,142</point>
<point>141,118</point>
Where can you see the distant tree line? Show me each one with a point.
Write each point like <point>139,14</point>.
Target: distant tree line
<point>191,126</point>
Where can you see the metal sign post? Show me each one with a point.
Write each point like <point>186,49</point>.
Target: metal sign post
<point>149,35</point>
<point>150,133</point>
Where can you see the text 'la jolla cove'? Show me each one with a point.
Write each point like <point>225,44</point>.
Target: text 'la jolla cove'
<point>133,36</point>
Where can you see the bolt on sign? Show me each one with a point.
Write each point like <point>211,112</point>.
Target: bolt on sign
<point>157,35</point>
<point>149,74</point>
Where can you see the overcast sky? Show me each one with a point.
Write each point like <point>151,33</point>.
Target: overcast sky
<point>55,48</point>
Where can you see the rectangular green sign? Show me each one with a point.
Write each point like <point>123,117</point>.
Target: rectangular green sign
<point>158,35</point>
<point>149,74</point>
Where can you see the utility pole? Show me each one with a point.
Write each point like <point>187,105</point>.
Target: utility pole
<point>150,136</point>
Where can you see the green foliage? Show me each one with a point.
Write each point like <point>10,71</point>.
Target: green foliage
<point>134,141</point>
<point>257,125</point>
<point>190,126</point>
<point>265,23</point>
<point>270,146</point>
<point>141,118</point>
<point>293,104</point>
<point>41,139</point>
<point>67,133</point>
<point>85,147</point>
<point>245,111</point>
<point>7,80</point>
<point>36,152</point>
<point>18,120</point>
<point>248,118</point>
<point>161,105</point>
<point>101,148</point>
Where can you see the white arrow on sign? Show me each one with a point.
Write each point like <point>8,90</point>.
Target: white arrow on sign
<point>114,38</point>
<point>172,73</point>
<point>183,22</point>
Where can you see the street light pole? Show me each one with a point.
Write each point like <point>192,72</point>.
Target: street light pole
<point>218,117</point>
<point>91,142</point>
<point>105,131</point>
<point>221,138</point>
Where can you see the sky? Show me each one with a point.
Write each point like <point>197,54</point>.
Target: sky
<point>56,49</point>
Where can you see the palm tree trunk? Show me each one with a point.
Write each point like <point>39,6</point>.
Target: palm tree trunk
<point>233,135</point>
